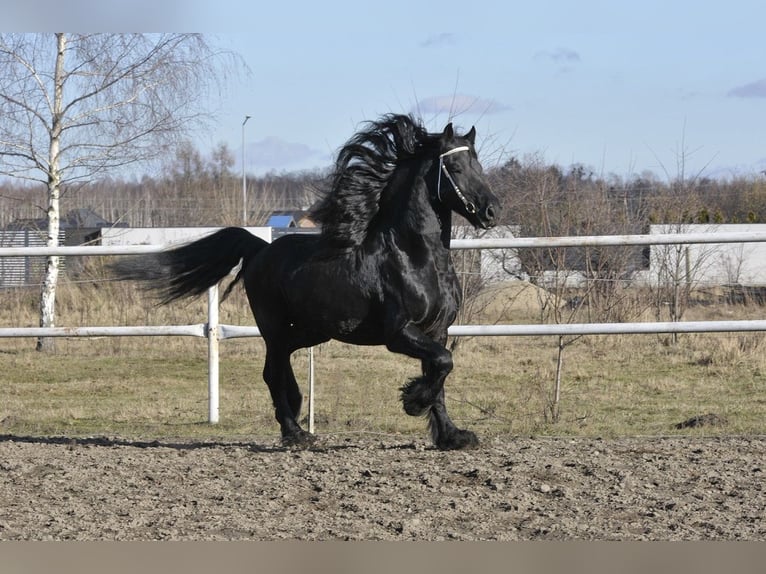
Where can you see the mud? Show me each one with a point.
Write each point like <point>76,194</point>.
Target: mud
<point>383,488</point>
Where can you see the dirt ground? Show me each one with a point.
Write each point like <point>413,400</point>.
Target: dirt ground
<point>363,487</point>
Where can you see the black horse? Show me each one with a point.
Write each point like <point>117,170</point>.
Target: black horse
<point>380,272</point>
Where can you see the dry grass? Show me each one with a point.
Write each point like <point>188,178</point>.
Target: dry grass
<point>156,387</point>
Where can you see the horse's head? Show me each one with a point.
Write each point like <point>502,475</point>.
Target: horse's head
<point>460,183</point>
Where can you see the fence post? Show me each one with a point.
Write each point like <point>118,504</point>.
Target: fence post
<point>213,335</point>
<point>311,389</point>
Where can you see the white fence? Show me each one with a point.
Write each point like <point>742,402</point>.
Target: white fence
<point>216,332</point>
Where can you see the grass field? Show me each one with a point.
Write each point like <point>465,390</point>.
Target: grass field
<point>156,388</point>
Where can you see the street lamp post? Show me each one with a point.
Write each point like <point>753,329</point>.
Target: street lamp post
<point>244,179</point>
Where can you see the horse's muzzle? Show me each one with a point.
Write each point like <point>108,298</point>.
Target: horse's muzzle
<point>488,217</point>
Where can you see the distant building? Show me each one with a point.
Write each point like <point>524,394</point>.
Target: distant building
<point>77,227</point>
<point>710,263</point>
<point>80,226</point>
<point>166,235</point>
<point>495,265</point>
<point>288,219</point>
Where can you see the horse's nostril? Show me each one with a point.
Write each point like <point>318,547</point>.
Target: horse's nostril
<point>490,213</point>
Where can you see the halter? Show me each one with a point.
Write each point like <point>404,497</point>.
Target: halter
<point>469,206</point>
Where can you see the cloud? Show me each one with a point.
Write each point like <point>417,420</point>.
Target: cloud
<point>752,90</point>
<point>275,153</point>
<point>564,58</point>
<point>458,104</point>
<point>443,39</point>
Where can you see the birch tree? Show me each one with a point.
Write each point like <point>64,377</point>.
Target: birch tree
<point>77,106</point>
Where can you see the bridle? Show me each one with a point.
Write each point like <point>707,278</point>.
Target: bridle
<point>469,206</point>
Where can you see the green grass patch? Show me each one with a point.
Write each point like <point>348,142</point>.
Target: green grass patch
<point>156,388</point>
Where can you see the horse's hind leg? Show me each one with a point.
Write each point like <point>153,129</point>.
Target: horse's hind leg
<point>293,391</point>
<point>286,396</point>
<point>425,394</point>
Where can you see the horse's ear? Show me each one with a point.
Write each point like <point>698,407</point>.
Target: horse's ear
<point>448,132</point>
<point>471,135</point>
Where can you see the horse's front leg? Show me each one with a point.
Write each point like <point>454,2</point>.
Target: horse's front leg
<point>425,394</point>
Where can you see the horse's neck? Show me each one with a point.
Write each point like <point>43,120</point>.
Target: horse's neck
<point>414,211</point>
<point>418,217</point>
<point>446,228</point>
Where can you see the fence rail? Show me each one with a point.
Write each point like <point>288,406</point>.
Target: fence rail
<point>215,332</point>
<point>607,240</point>
<point>481,243</point>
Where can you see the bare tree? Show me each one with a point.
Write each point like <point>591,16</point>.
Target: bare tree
<point>75,106</point>
<point>676,272</point>
<point>574,281</point>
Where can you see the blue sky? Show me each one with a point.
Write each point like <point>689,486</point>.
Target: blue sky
<point>621,87</point>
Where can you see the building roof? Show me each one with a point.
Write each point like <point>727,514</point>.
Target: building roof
<point>300,218</point>
<point>83,218</point>
<point>282,221</point>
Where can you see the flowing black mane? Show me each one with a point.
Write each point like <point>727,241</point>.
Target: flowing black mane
<point>363,169</point>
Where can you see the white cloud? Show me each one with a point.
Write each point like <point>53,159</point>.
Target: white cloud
<point>275,153</point>
<point>457,104</point>
<point>752,90</point>
<point>443,39</point>
<point>564,58</point>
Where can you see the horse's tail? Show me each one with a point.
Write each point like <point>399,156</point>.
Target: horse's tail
<point>192,268</point>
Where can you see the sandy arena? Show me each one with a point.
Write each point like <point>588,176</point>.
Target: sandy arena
<point>384,488</point>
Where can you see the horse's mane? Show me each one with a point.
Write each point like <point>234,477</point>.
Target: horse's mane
<point>363,168</point>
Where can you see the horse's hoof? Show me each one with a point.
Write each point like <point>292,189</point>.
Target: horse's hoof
<point>300,439</point>
<point>458,440</point>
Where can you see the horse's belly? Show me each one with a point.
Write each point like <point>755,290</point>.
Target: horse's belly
<point>338,311</point>
<point>361,334</point>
